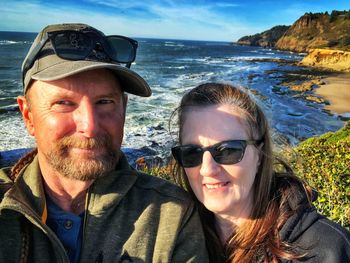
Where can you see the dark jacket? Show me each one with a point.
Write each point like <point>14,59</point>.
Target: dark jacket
<point>309,234</point>
<point>322,240</point>
<point>130,217</point>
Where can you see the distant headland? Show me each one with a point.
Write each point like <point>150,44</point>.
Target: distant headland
<point>328,33</point>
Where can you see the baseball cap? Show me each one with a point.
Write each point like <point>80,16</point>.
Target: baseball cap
<point>48,66</point>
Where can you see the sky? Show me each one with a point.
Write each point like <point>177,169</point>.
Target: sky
<point>221,20</point>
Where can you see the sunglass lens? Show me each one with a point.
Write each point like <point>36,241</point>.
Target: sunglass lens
<point>121,49</point>
<point>72,45</point>
<point>189,156</point>
<point>229,152</point>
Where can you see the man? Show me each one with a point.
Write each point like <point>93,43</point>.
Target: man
<point>75,198</point>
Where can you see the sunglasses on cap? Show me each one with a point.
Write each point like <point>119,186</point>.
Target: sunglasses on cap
<point>226,152</point>
<point>79,45</point>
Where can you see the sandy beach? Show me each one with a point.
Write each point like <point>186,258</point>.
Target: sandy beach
<point>337,92</point>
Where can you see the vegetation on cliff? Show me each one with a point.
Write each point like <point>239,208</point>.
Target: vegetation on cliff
<point>312,30</point>
<point>324,162</point>
<point>267,38</point>
<point>319,30</point>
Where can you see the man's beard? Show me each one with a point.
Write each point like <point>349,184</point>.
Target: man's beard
<point>86,168</point>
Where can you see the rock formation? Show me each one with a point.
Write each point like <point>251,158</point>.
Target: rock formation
<point>326,58</point>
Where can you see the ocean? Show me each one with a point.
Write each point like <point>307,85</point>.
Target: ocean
<point>172,67</point>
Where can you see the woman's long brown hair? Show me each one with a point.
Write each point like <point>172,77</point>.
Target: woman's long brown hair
<point>258,237</point>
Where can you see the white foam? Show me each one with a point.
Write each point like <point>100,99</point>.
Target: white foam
<point>13,134</point>
<point>7,42</point>
<point>11,42</point>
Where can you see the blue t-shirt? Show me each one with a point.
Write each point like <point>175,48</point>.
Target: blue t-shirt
<point>68,228</point>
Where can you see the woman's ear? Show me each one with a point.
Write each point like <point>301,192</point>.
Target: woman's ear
<point>24,107</point>
<point>259,147</point>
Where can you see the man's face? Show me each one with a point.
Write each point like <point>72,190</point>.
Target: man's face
<point>77,122</point>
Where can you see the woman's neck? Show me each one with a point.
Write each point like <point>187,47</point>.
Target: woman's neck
<point>227,223</point>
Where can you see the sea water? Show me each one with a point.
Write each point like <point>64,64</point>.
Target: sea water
<point>172,67</point>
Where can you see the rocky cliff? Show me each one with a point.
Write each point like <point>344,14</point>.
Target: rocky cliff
<point>267,38</point>
<point>310,31</point>
<point>325,58</point>
<point>319,30</point>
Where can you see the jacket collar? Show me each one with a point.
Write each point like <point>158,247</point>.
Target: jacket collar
<point>27,193</point>
<point>28,197</point>
<point>107,191</point>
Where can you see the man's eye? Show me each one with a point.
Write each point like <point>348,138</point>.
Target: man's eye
<point>64,102</point>
<point>105,101</point>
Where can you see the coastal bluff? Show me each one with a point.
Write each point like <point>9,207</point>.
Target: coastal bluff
<point>337,60</point>
<point>318,30</point>
<point>265,39</point>
<point>310,31</point>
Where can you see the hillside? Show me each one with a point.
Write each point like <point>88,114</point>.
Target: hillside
<point>267,38</point>
<point>310,31</point>
<point>319,30</point>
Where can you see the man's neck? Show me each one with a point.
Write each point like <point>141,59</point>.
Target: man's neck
<point>68,194</point>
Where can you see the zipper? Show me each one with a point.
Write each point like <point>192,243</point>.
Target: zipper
<point>87,200</point>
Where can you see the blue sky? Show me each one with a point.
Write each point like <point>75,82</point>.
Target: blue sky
<point>221,20</point>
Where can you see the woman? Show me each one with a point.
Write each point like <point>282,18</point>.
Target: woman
<point>250,212</point>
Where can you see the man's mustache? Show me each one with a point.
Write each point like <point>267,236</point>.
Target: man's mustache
<point>85,143</point>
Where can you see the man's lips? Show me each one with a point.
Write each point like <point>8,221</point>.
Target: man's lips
<point>80,150</point>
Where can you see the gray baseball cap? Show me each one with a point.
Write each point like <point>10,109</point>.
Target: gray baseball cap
<point>48,66</point>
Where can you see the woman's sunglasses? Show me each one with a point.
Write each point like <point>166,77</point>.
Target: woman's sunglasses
<point>226,152</point>
<point>79,45</point>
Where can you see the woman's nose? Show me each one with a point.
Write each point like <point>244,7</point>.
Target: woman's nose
<point>209,167</point>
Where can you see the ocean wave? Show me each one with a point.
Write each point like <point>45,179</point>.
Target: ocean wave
<point>7,108</point>
<point>218,60</point>
<point>177,67</point>
<point>173,44</point>
<point>11,42</point>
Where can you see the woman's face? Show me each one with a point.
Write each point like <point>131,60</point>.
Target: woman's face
<point>223,189</point>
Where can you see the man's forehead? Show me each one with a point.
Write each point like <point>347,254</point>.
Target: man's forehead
<point>98,80</point>
<point>93,83</point>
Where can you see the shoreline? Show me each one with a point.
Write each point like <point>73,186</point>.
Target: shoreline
<point>336,90</point>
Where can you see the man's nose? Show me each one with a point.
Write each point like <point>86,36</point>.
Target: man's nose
<point>209,167</point>
<point>86,119</point>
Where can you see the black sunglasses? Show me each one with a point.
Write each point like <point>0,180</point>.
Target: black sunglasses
<point>226,152</point>
<point>79,45</point>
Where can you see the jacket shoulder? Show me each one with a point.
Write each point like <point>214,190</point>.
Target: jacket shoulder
<point>161,187</point>
<point>5,181</point>
<point>322,239</point>
<point>332,231</point>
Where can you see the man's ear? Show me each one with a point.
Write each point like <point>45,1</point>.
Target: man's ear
<point>24,107</point>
